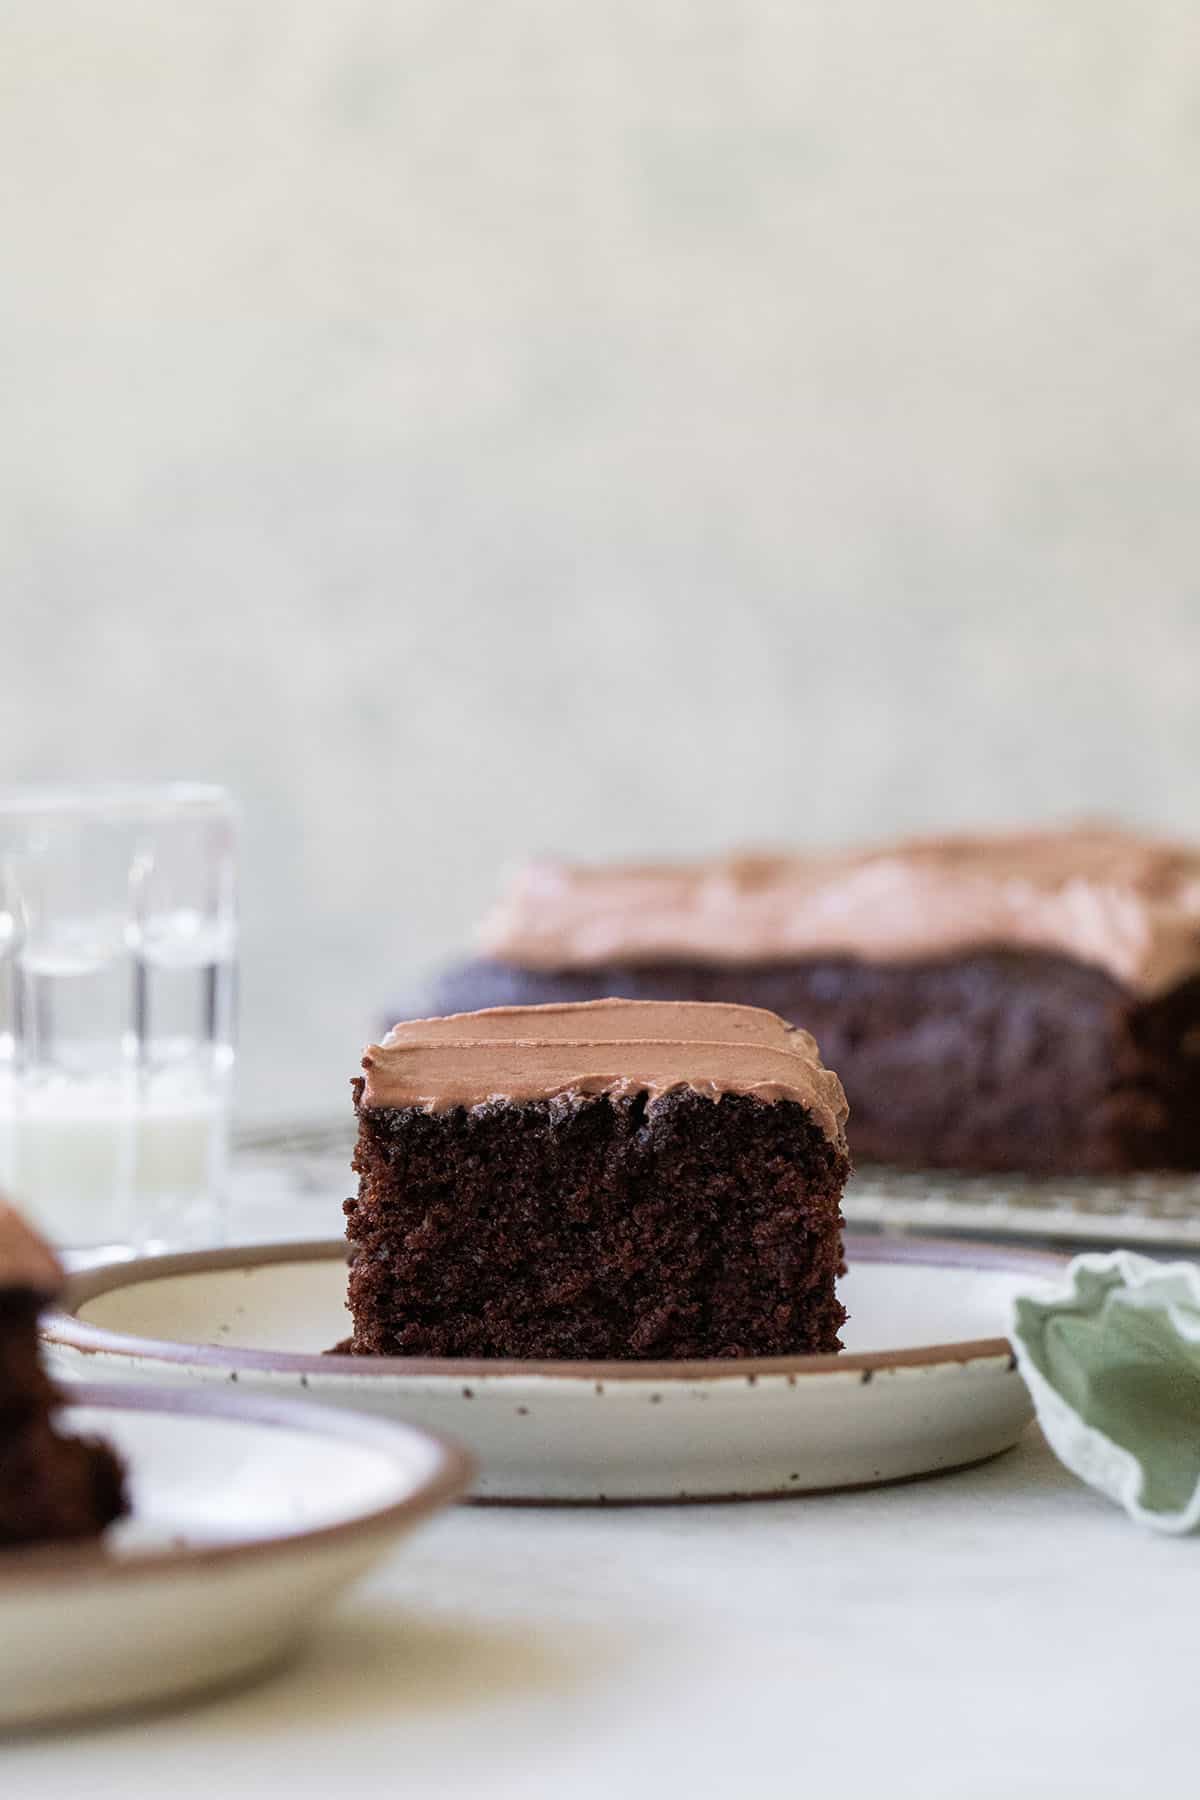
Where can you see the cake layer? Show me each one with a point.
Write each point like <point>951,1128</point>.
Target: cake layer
<point>594,1227</point>
<point>24,1388</point>
<point>617,1047</point>
<point>51,1486</point>
<point>1108,898</point>
<point>1017,1060</point>
<point>54,1487</point>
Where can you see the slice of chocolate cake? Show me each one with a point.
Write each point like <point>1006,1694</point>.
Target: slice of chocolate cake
<point>611,1180</point>
<point>1026,1002</point>
<point>51,1486</point>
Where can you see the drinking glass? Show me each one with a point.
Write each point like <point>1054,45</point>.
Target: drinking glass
<point>118,994</point>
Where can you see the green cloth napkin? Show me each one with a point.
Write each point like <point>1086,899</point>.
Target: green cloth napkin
<point>1112,1360</point>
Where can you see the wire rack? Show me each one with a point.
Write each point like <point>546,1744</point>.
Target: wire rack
<point>1159,1210</point>
<point>305,1166</point>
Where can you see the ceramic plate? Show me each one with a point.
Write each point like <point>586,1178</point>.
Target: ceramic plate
<point>248,1516</point>
<point>926,1382</point>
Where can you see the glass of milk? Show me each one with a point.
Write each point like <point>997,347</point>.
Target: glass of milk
<point>118,999</point>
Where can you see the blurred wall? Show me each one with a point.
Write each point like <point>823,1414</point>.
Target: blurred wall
<point>467,427</point>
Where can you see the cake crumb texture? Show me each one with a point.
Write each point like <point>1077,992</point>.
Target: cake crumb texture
<point>596,1226</point>
<point>51,1486</point>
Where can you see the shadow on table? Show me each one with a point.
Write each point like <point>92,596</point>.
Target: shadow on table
<point>394,1660</point>
<point>390,1662</point>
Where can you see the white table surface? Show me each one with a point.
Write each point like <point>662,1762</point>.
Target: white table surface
<point>996,1632</point>
<point>990,1633</point>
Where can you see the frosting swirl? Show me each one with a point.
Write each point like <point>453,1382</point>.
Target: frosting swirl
<point>1124,903</point>
<point>617,1047</point>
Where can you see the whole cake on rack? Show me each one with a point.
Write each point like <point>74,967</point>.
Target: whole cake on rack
<point>51,1486</point>
<point>1024,1001</point>
<point>609,1180</point>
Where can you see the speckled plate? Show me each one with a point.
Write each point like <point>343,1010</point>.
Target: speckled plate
<point>248,1516</point>
<point>926,1382</point>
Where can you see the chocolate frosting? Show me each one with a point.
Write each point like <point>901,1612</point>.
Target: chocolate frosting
<point>1124,903</point>
<point>619,1047</point>
<point>27,1263</point>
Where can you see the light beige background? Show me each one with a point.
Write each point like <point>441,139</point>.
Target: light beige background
<point>620,427</point>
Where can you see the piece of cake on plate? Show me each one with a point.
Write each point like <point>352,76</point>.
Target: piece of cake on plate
<point>51,1486</point>
<point>1025,1001</point>
<point>611,1180</point>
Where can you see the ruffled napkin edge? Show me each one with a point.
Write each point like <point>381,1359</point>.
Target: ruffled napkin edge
<point>1173,1289</point>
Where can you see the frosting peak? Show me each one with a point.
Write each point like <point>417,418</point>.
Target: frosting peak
<point>27,1263</point>
<point>1127,904</point>
<point>619,1047</point>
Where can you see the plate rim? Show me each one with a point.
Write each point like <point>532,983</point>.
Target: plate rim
<point>62,1328</point>
<point>69,1562</point>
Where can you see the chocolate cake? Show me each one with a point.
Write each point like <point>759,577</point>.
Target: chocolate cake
<point>1017,1002</point>
<point>612,1180</point>
<point>51,1486</point>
